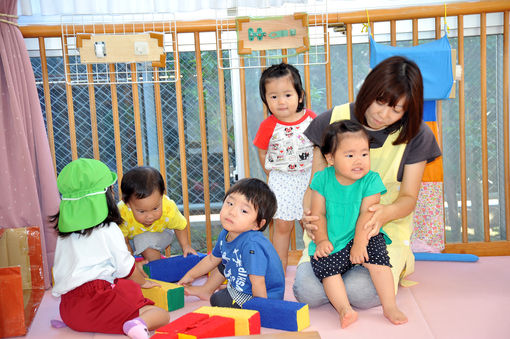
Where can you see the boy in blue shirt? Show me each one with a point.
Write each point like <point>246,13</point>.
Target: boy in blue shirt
<point>244,256</point>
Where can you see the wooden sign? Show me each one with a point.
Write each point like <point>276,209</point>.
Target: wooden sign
<point>121,48</point>
<point>258,34</point>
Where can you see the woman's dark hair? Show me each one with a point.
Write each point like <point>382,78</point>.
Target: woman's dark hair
<point>260,195</point>
<point>391,80</point>
<point>279,71</point>
<point>336,131</point>
<point>141,182</point>
<point>113,216</point>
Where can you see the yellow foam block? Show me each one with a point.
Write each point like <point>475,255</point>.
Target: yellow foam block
<point>303,318</point>
<point>185,336</point>
<point>247,322</point>
<point>167,296</point>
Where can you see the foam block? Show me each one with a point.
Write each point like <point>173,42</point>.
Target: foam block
<point>172,329</point>
<point>212,327</point>
<point>169,296</point>
<point>172,269</point>
<point>291,315</point>
<point>197,325</point>
<point>247,322</point>
<point>425,256</point>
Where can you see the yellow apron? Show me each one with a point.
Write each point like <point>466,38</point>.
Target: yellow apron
<point>386,160</point>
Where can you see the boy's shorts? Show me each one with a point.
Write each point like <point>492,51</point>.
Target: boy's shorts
<point>339,262</point>
<point>156,240</point>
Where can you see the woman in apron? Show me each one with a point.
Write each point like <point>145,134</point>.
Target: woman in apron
<point>390,106</point>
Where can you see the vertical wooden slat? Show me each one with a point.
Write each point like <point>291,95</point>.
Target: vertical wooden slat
<point>483,126</point>
<point>350,79</point>
<point>116,125</point>
<point>70,106</point>
<point>506,120</point>
<point>415,32</point>
<point>462,131</point>
<point>136,113</point>
<point>159,123</point>
<point>263,67</point>
<point>327,68</point>
<point>203,138</point>
<point>223,116</point>
<point>308,102</point>
<point>393,32</point>
<point>439,106</point>
<point>47,100</point>
<point>244,119</point>
<point>284,52</point>
<point>93,111</point>
<point>182,138</point>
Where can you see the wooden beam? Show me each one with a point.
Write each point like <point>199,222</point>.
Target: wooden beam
<point>481,249</point>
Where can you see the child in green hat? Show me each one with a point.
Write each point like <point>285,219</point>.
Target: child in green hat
<point>95,274</point>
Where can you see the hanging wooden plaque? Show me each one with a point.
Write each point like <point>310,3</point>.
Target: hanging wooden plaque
<point>258,34</point>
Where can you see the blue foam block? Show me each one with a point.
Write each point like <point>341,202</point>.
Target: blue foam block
<point>425,256</point>
<point>280,314</point>
<point>172,269</point>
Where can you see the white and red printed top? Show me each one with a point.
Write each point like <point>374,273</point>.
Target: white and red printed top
<point>288,149</point>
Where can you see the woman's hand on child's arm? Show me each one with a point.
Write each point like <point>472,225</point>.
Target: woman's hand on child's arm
<point>308,222</point>
<point>363,231</point>
<point>359,254</point>
<point>258,286</point>
<point>309,219</point>
<point>405,202</point>
<point>318,208</point>
<point>374,224</point>
<point>323,249</point>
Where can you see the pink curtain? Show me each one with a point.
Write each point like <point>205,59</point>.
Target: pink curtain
<point>28,188</point>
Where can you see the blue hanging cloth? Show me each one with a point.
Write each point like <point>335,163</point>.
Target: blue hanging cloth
<point>433,58</point>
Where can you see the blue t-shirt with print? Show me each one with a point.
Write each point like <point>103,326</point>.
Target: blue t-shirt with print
<point>251,253</point>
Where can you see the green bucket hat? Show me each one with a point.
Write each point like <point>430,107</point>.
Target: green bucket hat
<point>83,184</point>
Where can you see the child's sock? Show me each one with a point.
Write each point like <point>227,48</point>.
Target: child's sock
<point>136,329</point>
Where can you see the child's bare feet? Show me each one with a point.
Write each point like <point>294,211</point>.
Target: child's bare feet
<point>395,316</point>
<point>347,317</point>
<point>198,291</point>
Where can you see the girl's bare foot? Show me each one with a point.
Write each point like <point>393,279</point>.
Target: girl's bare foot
<point>198,291</point>
<point>395,316</point>
<point>347,317</point>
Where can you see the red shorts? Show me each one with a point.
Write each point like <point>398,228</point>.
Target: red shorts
<point>98,306</point>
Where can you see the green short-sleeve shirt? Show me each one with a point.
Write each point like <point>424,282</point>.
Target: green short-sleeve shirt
<point>343,204</point>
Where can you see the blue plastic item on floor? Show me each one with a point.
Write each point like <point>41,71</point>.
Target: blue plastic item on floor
<point>425,256</point>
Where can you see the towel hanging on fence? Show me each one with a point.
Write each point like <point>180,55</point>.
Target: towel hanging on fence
<point>433,58</point>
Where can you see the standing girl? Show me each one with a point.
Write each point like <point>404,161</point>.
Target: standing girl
<point>284,151</point>
<point>94,273</point>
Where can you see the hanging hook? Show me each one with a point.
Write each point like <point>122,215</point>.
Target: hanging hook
<point>366,26</point>
<point>445,22</point>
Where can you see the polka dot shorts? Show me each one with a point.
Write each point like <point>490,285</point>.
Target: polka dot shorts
<point>339,262</point>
